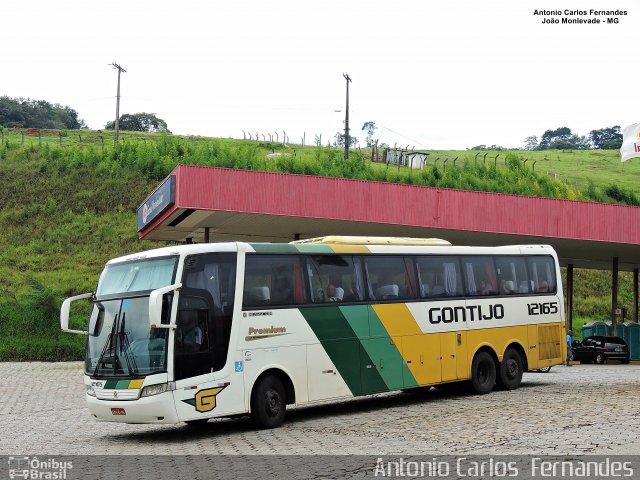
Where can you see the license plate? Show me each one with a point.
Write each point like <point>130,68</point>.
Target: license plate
<point>118,411</point>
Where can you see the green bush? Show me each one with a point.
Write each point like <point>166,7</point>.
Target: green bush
<point>45,349</point>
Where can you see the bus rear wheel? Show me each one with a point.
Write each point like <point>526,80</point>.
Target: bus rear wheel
<point>483,373</point>
<point>268,402</point>
<point>510,370</point>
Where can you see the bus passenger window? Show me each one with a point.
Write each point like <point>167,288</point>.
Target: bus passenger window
<point>543,274</point>
<point>334,278</point>
<point>273,280</point>
<point>257,296</point>
<point>389,278</point>
<point>513,276</point>
<point>282,284</point>
<point>479,275</point>
<point>439,276</point>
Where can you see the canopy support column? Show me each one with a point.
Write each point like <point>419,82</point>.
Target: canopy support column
<point>635,295</point>
<point>570,296</point>
<point>614,296</point>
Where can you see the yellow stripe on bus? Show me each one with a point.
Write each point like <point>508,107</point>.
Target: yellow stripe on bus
<point>135,383</point>
<point>349,249</point>
<point>397,319</point>
<point>415,347</point>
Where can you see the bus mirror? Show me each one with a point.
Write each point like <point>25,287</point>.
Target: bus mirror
<point>64,313</point>
<point>155,305</point>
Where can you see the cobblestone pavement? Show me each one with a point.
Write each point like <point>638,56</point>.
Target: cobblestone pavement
<point>585,409</point>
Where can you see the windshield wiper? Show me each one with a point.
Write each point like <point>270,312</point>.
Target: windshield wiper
<point>108,346</point>
<point>125,348</point>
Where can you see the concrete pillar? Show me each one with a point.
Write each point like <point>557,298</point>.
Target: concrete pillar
<point>614,296</point>
<point>569,296</point>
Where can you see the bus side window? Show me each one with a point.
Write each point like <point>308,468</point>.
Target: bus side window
<point>438,276</point>
<point>388,278</point>
<point>273,280</point>
<point>543,274</point>
<point>334,278</point>
<point>512,275</point>
<point>315,283</point>
<point>480,275</point>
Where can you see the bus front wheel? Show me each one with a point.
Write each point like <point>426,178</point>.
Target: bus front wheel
<point>510,370</point>
<point>268,402</point>
<point>483,373</point>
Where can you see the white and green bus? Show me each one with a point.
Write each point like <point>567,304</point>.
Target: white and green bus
<point>193,332</point>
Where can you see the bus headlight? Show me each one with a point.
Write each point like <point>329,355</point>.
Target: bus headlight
<point>153,390</point>
<point>90,390</point>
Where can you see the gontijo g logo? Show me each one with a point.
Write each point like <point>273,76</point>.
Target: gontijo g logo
<point>205,400</point>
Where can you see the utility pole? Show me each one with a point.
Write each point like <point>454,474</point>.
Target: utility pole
<point>117,133</point>
<point>346,119</point>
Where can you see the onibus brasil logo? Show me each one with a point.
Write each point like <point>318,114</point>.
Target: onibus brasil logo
<point>35,468</point>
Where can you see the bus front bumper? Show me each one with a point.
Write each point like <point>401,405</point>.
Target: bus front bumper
<point>154,409</point>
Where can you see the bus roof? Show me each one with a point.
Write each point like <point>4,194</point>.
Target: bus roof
<point>359,240</point>
<point>329,245</point>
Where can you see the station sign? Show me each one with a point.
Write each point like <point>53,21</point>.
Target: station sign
<point>160,199</point>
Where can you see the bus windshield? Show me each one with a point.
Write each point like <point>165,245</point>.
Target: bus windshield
<point>120,341</point>
<point>125,278</point>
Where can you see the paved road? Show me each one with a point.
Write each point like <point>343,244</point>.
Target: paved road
<point>585,409</point>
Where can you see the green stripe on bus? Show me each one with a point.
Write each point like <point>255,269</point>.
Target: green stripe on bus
<point>397,375</point>
<point>358,318</point>
<point>374,379</point>
<point>308,248</point>
<point>341,331</point>
<point>344,349</point>
<point>122,384</point>
<point>328,323</point>
<point>110,384</point>
<point>273,248</point>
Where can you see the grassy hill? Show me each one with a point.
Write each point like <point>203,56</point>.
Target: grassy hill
<point>68,205</point>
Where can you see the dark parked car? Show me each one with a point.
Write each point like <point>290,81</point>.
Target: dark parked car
<point>599,349</point>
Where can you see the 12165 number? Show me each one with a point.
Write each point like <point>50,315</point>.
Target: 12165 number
<point>547,308</point>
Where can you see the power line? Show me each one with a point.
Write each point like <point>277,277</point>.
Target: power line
<point>417,142</point>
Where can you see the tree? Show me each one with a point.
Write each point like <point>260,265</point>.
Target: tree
<point>548,137</point>
<point>338,140</point>
<point>531,143</point>
<point>26,113</point>
<point>606,138</point>
<point>370,128</point>
<point>484,147</point>
<point>140,122</point>
<point>574,142</point>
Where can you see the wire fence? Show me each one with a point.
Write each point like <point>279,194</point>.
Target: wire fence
<point>41,136</point>
<point>392,157</point>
